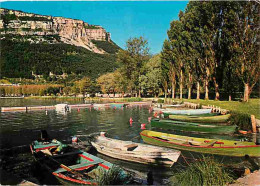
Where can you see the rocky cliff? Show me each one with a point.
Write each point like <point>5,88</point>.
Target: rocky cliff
<point>39,28</point>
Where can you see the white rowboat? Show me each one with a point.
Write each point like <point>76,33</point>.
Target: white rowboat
<point>136,152</point>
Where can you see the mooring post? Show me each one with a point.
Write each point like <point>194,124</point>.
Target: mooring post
<point>253,122</point>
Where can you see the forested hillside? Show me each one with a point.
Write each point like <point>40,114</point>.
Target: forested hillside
<point>19,58</point>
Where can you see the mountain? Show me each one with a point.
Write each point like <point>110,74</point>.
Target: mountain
<point>33,44</point>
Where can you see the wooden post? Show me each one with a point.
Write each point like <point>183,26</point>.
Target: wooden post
<point>253,122</point>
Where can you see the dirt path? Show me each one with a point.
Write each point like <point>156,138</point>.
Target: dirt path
<point>252,179</point>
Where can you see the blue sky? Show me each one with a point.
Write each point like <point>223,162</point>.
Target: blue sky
<point>122,19</point>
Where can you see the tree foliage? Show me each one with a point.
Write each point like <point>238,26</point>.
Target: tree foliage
<point>215,43</point>
<point>19,58</point>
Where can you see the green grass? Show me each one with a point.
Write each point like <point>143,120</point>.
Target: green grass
<point>206,172</point>
<point>114,176</point>
<point>251,108</point>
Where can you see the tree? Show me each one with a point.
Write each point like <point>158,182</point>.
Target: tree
<point>132,61</point>
<point>167,65</point>
<point>245,46</point>
<point>83,85</point>
<point>151,80</point>
<point>107,83</point>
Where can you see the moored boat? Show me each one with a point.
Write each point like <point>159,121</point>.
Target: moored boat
<point>69,165</point>
<point>193,127</point>
<point>187,111</point>
<point>202,145</point>
<point>117,105</point>
<point>205,119</point>
<point>136,152</point>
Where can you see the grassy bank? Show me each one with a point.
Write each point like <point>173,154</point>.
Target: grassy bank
<point>252,107</point>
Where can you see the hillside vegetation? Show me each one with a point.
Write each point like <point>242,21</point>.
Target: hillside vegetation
<point>19,58</point>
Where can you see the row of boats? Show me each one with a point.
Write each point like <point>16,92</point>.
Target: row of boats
<point>199,121</point>
<point>72,165</point>
<point>194,120</point>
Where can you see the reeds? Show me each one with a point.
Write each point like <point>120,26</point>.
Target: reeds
<point>205,172</point>
<point>114,176</point>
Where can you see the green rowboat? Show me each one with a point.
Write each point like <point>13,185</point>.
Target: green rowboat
<point>69,165</point>
<point>207,119</point>
<point>193,127</point>
<point>202,145</point>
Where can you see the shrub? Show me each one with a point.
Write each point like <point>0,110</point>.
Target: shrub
<point>114,176</point>
<point>8,17</point>
<point>32,18</point>
<point>132,99</point>
<point>160,101</point>
<point>242,120</point>
<point>206,172</point>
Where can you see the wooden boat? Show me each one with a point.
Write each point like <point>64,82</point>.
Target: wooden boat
<point>69,165</point>
<point>136,152</point>
<point>202,145</point>
<point>193,127</point>
<point>166,115</point>
<point>206,119</point>
<point>187,112</point>
<point>117,105</point>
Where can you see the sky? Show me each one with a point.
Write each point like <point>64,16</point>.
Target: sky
<point>122,19</point>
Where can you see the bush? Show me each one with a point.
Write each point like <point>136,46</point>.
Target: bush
<point>28,18</point>
<point>109,47</point>
<point>160,101</point>
<point>205,172</point>
<point>242,120</point>
<point>132,99</point>
<point>8,17</point>
<point>114,176</point>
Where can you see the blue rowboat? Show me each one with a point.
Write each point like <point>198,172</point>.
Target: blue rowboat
<point>69,165</point>
<point>187,112</point>
<point>117,105</point>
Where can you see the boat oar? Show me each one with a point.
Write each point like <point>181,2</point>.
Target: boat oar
<point>73,171</point>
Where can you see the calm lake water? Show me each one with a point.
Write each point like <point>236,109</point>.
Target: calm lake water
<point>19,129</point>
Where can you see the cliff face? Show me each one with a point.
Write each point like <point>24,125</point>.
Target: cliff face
<point>70,31</point>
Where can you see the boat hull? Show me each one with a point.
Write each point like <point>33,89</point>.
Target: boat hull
<point>160,156</point>
<point>210,119</point>
<point>188,112</point>
<point>221,147</point>
<point>64,166</point>
<point>193,127</point>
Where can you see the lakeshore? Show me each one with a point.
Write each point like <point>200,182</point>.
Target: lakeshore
<point>95,117</point>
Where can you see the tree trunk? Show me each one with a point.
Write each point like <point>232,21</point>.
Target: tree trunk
<point>246,92</point>
<point>207,83</point>
<point>229,97</point>
<point>190,83</point>
<point>165,94</point>
<point>206,88</point>
<point>181,85</point>
<point>139,93</point>
<point>216,89</point>
<point>173,90</point>
<point>189,93</point>
<point>198,90</point>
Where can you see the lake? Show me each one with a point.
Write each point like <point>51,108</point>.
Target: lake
<point>19,129</point>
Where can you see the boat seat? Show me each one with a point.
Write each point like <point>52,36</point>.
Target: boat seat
<point>130,147</point>
<point>80,165</point>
